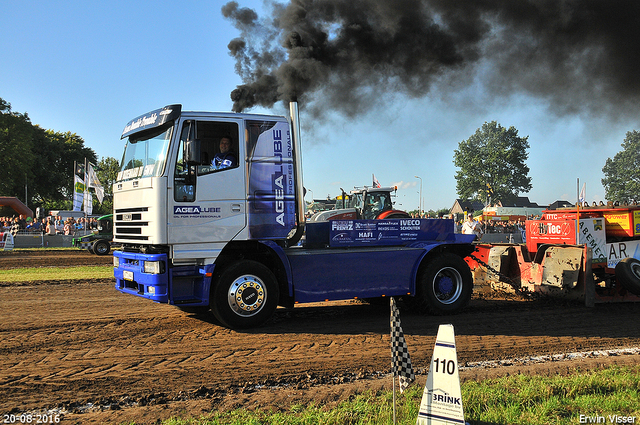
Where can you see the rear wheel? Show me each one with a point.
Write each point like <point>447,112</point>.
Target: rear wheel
<point>628,274</point>
<point>245,296</point>
<point>444,285</point>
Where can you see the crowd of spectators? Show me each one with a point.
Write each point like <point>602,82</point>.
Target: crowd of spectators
<point>495,226</point>
<point>47,225</point>
<point>511,226</point>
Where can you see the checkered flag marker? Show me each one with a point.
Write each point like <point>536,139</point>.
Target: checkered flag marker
<point>400,359</point>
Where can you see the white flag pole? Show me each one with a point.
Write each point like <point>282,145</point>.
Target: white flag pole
<point>393,379</point>
<point>393,370</point>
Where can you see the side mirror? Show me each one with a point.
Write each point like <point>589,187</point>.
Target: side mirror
<point>191,153</point>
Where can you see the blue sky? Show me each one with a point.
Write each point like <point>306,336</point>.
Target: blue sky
<point>89,67</point>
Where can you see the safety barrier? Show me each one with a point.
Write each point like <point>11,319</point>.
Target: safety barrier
<point>25,239</point>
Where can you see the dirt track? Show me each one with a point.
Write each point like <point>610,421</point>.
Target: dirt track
<point>75,344</point>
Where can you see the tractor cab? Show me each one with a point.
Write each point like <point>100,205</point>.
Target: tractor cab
<point>368,203</point>
<point>373,202</point>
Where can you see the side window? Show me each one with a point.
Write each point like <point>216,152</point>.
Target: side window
<point>376,203</point>
<point>184,181</point>
<point>219,142</point>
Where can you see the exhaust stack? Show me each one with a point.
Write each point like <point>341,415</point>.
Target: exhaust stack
<point>294,116</point>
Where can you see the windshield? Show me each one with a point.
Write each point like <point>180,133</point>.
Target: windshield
<point>145,156</point>
<point>356,201</point>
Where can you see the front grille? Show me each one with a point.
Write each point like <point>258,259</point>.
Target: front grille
<point>130,222</point>
<point>132,238</point>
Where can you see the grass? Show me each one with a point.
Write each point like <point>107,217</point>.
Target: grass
<point>39,249</point>
<point>519,399</point>
<point>56,273</point>
<point>558,400</point>
<point>53,273</point>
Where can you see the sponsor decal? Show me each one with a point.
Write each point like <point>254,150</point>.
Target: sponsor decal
<point>342,237</point>
<point>551,229</point>
<point>387,232</point>
<point>279,179</point>
<point>341,225</point>
<point>141,122</point>
<point>365,225</point>
<point>592,233</point>
<point>409,224</point>
<point>445,397</point>
<point>620,250</point>
<point>196,211</point>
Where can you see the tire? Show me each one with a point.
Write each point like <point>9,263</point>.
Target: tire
<point>628,274</point>
<point>392,214</point>
<point>444,285</point>
<point>245,296</point>
<point>101,247</point>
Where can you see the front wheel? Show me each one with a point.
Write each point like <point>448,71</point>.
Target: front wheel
<point>444,285</point>
<point>245,296</point>
<point>101,247</point>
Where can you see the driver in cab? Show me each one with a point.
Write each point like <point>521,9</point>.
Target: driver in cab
<point>225,158</point>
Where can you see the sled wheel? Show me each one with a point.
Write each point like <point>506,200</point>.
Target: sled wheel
<point>445,285</point>
<point>101,247</point>
<point>628,274</point>
<point>245,296</point>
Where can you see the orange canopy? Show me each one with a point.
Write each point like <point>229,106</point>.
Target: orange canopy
<point>16,205</point>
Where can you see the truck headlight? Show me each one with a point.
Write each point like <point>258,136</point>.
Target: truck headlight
<point>153,267</point>
<point>116,261</point>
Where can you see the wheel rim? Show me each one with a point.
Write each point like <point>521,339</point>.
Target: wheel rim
<point>447,285</point>
<point>247,294</point>
<point>635,269</point>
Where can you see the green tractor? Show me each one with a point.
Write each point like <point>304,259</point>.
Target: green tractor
<point>98,242</point>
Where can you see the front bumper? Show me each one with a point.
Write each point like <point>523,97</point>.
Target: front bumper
<point>131,278</point>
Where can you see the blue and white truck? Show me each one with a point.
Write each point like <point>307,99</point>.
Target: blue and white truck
<point>230,238</point>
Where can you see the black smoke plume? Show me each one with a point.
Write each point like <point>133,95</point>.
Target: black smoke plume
<point>345,55</point>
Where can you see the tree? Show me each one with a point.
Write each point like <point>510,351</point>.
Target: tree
<point>16,141</point>
<point>622,173</point>
<point>52,170</point>
<point>492,164</point>
<point>40,159</point>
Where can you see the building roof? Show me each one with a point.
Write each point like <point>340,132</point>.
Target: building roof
<point>560,204</point>
<point>460,206</point>
<point>520,201</point>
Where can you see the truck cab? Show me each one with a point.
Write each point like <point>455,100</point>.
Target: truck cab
<point>168,184</point>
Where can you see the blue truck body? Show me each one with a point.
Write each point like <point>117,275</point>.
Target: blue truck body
<point>320,273</point>
<point>234,240</point>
